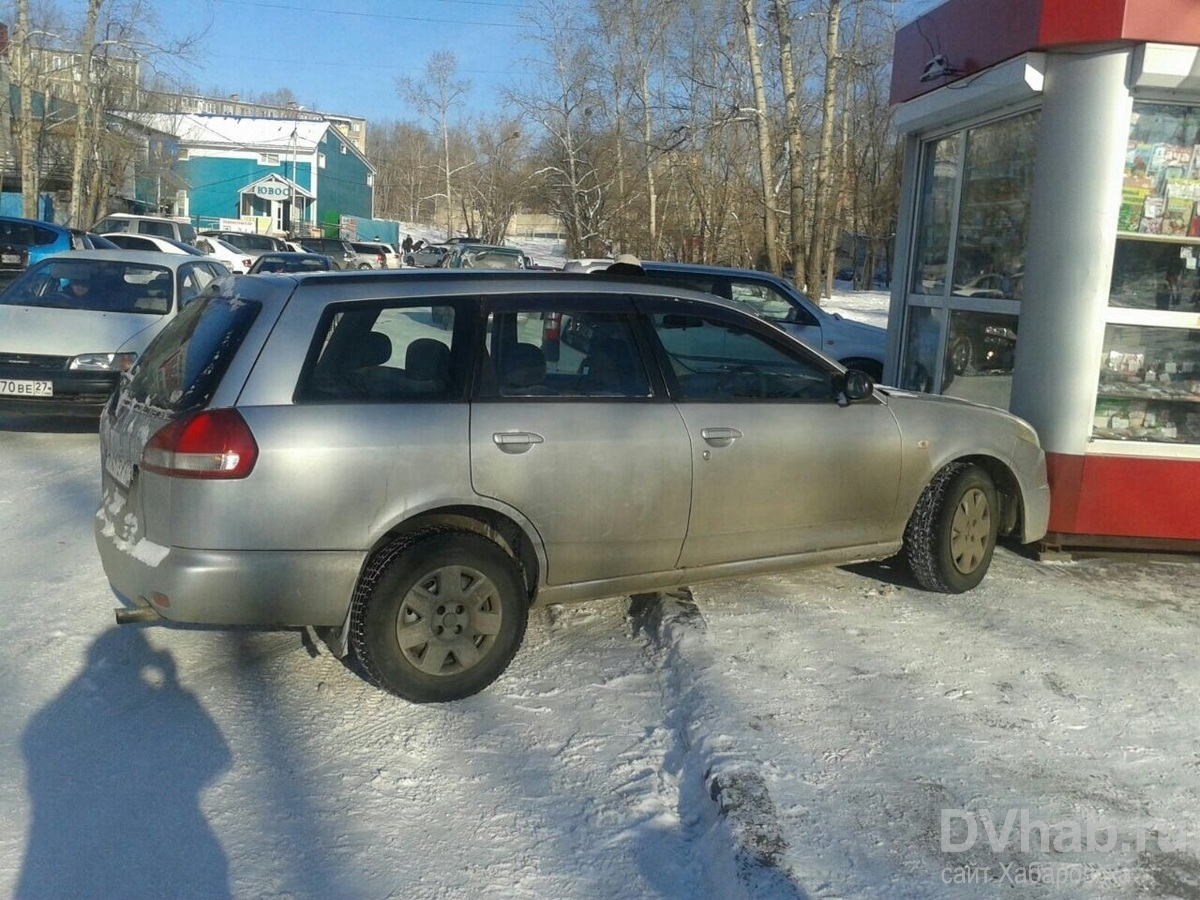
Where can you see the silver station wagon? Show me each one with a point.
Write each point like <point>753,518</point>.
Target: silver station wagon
<point>408,461</point>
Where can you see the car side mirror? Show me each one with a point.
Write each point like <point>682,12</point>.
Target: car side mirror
<point>852,385</point>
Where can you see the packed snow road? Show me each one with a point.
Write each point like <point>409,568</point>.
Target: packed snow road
<point>833,733</point>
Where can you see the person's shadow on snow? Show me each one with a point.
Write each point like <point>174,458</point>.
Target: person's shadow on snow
<point>114,767</point>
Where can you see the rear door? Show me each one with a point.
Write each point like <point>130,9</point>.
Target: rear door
<point>569,427</point>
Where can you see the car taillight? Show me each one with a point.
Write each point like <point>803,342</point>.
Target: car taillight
<point>208,444</point>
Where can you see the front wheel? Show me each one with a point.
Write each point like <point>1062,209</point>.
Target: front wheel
<point>951,535</point>
<point>440,618</point>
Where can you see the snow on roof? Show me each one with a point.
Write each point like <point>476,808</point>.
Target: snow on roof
<point>240,131</point>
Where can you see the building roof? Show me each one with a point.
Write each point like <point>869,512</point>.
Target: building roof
<point>959,38</point>
<point>270,135</point>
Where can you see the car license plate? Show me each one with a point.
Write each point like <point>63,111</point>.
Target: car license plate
<point>10,259</point>
<point>22,388</point>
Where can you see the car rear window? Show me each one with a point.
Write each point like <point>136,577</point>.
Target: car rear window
<point>26,234</point>
<point>182,367</point>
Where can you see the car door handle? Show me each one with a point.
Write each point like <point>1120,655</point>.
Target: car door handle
<point>516,441</point>
<point>720,437</point>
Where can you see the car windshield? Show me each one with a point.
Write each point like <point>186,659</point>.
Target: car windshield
<point>491,258</point>
<point>68,282</point>
<point>301,262</point>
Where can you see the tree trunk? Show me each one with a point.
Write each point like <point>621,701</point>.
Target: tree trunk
<point>795,143</point>
<point>822,188</point>
<point>29,171</point>
<point>85,96</point>
<point>769,219</point>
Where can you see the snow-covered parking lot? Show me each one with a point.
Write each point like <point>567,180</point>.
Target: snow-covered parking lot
<point>833,733</point>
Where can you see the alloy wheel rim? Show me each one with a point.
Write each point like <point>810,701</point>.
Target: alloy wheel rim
<point>970,531</point>
<point>449,620</point>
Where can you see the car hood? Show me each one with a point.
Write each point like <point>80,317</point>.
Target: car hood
<point>69,332</point>
<point>861,330</point>
<point>912,404</point>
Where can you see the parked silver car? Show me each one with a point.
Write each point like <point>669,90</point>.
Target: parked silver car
<point>317,450</point>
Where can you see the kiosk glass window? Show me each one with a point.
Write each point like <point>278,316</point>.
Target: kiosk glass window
<point>1149,385</point>
<point>993,220</point>
<point>939,188</point>
<point>969,259</point>
<point>1148,390</point>
<point>1155,265</point>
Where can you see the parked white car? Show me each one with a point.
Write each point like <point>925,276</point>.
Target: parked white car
<point>238,261</point>
<point>165,245</point>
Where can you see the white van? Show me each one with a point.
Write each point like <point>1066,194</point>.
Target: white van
<point>152,225</point>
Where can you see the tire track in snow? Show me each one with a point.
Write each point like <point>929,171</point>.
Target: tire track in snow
<point>723,798</point>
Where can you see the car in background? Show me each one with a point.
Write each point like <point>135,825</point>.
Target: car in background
<point>587,265</point>
<point>158,226</point>
<point>238,261</point>
<point>368,256</point>
<point>248,242</point>
<point>482,256</point>
<point>73,322</point>
<point>391,259</point>
<point>451,479</point>
<point>855,345</point>
<point>25,241</point>
<point>291,262</point>
<point>338,250</point>
<point>428,256</point>
<point>163,245</point>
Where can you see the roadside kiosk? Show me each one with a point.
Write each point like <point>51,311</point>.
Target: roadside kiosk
<point>1048,248</point>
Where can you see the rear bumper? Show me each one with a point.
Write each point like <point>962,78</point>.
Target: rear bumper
<point>218,587</point>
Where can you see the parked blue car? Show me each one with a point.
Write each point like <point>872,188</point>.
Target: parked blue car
<point>25,241</point>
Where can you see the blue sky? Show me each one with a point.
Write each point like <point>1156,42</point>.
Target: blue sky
<point>344,57</point>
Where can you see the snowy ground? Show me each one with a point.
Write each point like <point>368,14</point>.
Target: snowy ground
<point>778,738</point>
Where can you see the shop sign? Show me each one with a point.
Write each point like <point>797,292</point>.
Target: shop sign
<point>274,191</point>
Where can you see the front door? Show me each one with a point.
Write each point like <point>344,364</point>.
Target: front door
<point>780,467</point>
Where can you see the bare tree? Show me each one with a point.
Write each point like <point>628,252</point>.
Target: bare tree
<point>498,188</point>
<point>762,124</point>
<point>434,97</point>
<point>822,189</point>
<point>85,100</point>
<point>23,69</point>
<point>564,103</point>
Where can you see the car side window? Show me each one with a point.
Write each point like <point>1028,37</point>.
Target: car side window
<point>384,353</point>
<point>769,302</point>
<point>193,279</point>
<point>766,302</point>
<point>572,354</point>
<point>714,360</point>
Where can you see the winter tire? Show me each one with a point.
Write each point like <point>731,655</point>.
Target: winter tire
<point>439,616</point>
<point>962,355</point>
<point>951,535</point>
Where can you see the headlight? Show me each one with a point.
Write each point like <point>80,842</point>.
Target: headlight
<point>103,362</point>
<point>1026,432</point>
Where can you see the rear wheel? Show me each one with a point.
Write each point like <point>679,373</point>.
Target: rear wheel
<point>962,355</point>
<point>951,535</point>
<point>439,617</point>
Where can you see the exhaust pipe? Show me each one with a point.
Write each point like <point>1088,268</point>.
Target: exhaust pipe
<point>126,616</point>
